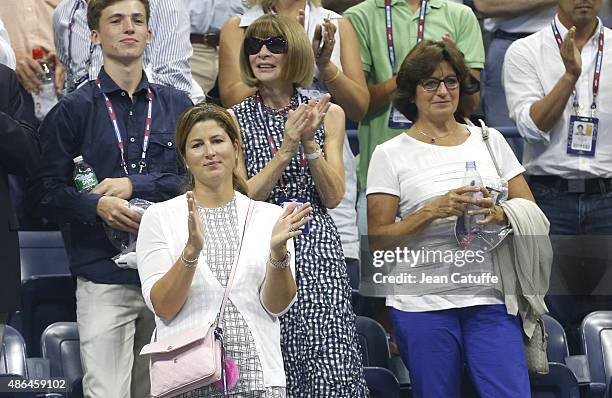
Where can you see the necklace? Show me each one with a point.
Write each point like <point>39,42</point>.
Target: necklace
<point>278,113</point>
<point>432,138</point>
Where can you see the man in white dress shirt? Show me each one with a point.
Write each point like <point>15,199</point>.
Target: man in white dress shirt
<point>557,80</point>
<point>207,17</point>
<point>508,20</point>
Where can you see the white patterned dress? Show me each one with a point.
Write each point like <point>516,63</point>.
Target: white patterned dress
<point>318,340</point>
<point>221,230</point>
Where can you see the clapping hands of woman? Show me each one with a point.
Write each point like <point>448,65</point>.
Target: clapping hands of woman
<point>288,226</point>
<point>195,243</point>
<point>302,124</point>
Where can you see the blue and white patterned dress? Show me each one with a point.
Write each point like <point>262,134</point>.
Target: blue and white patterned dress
<point>319,344</point>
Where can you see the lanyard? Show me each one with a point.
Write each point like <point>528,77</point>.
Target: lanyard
<point>274,149</point>
<point>147,133</point>
<point>389,24</point>
<point>597,73</point>
<point>71,72</point>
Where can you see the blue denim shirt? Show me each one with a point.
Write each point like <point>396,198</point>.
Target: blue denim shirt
<point>80,125</point>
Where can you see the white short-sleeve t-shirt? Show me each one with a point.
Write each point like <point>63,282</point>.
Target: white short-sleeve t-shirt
<point>419,172</point>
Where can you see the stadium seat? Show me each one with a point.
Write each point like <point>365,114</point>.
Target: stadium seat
<point>45,299</point>
<point>557,349</point>
<point>560,382</point>
<point>13,354</point>
<point>59,344</point>
<point>596,336</point>
<point>374,343</point>
<point>42,253</point>
<point>381,383</point>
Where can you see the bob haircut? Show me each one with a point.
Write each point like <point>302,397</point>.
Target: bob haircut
<point>298,66</point>
<point>270,4</point>
<point>420,63</point>
<point>201,113</point>
<point>95,8</point>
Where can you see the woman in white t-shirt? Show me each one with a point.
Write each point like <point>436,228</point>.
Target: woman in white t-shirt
<point>447,314</point>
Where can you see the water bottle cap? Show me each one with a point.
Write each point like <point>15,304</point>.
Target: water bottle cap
<point>470,165</point>
<point>78,159</point>
<point>38,53</point>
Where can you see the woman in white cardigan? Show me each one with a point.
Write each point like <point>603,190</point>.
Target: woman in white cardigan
<point>186,247</point>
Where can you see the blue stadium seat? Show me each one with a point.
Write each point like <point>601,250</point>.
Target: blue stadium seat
<point>557,349</point>
<point>45,299</point>
<point>13,354</point>
<point>596,335</point>
<point>59,344</point>
<point>42,253</point>
<point>374,343</point>
<point>381,383</point>
<point>560,382</point>
<point>13,360</point>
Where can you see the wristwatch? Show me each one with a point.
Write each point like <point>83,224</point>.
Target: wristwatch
<point>314,155</point>
<point>280,264</point>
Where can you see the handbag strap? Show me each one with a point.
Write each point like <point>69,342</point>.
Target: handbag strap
<point>234,265</point>
<point>485,137</point>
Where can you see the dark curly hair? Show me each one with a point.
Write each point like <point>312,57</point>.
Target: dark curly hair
<point>420,63</point>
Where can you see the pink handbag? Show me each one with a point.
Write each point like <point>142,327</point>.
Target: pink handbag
<point>191,359</point>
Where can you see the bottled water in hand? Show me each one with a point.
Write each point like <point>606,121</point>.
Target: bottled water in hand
<point>45,99</point>
<point>84,177</point>
<point>472,179</point>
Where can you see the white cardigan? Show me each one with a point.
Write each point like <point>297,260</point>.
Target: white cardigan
<point>161,239</point>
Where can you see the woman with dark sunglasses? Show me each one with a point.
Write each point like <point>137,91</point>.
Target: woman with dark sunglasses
<point>292,152</point>
<point>337,71</point>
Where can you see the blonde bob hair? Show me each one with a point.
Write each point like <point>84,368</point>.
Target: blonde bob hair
<point>298,65</point>
<point>201,113</point>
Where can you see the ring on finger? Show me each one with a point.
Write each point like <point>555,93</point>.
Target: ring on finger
<point>291,228</point>
<point>491,211</point>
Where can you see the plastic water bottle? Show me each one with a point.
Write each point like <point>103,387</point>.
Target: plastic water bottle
<point>84,177</point>
<point>46,98</point>
<point>472,179</point>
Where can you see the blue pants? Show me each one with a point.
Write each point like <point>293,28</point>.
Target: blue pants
<point>436,345</point>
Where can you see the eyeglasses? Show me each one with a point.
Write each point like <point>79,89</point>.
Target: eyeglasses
<point>432,84</point>
<point>276,45</point>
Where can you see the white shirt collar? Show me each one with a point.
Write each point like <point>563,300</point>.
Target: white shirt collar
<point>563,30</point>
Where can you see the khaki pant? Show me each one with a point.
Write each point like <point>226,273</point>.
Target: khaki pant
<point>114,324</point>
<point>204,65</point>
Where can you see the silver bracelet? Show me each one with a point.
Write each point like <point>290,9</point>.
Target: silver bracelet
<point>189,263</point>
<point>280,264</point>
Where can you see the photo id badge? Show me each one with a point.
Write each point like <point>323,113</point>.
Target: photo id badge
<point>397,120</point>
<point>582,136</point>
<point>286,202</point>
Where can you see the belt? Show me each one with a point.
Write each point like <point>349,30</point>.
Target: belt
<point>208,39</point>
<point>502,34</point>
<point>577,185</point>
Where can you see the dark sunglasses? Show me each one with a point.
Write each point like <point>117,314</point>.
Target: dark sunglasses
<point>276,45</point>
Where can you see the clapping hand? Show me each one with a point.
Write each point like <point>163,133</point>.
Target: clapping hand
<point>325,35</point>
<point>302,123</point>
<point>570,54</point>
<point>287,226</point>
<point>195,243</point>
